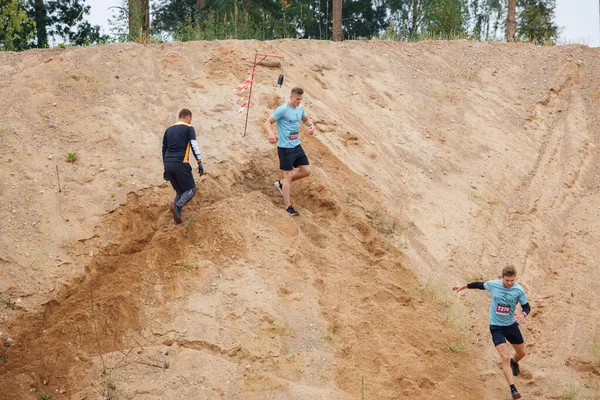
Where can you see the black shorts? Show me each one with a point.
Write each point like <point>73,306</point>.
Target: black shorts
<point>291,158</point>
<point>500,334</point>
<point>180,176</point>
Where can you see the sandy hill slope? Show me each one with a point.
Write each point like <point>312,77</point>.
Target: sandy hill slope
<point>434,164</point>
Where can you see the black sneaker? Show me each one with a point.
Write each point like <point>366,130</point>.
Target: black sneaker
<point>292,212</point>
<point>515,367</point>
<point>279,186</point>
<point>176,211</point>
<point>515,394</point>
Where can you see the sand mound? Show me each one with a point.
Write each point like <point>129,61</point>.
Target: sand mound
<point>435,163</point>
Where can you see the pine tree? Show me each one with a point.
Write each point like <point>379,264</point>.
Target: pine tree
<point>536,21</point>
<point>511,20</point>
<point>337,21</point>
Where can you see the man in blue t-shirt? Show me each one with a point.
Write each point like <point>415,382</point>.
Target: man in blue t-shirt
<point>291,155</point>
<point>504,325</point>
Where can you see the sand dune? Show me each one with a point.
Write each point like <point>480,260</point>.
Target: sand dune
<point>435,163</point>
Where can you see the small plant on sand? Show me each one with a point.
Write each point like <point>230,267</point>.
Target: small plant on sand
<point>451,94</point>
<point>475,277</point>
<point>456,347</point>
<point>594,358</point>
<point>382,221</point>
<point>44,396</point>
<point>253,375</point>
<point>95,83</point>
<point>189,224</point>
<point>571,392</point>
<point>330,338</point>
<point>362,389</point>
<point>120,183</point>
<point>114,350</point>
<point>3,351</point>
<point>186,265</point>
<point>282,327</point>
<point>64,86</point>
<point>432,293</point>
<point>453,319</point>
<point>71,157</point>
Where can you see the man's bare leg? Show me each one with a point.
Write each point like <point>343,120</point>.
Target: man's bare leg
<point>519,352</point>
<point>504,352</point>
<point>286,186</point>
<point>302,172</point>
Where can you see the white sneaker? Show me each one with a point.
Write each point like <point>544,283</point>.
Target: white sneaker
<point>279,186</point>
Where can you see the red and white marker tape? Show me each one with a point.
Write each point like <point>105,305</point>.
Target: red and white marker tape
<point>240,89</point>
<point>243,102</point>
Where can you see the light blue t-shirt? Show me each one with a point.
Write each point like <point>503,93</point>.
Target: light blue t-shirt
<point>288,125</point>
<point>504,302</point>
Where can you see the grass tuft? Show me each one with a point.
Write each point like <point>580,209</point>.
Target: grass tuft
<point>571,392</point>
<point>456,347</point>
<point>71,157</point>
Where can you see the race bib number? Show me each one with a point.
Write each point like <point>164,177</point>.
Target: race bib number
<point>502,309</point>
<point>294,136</point>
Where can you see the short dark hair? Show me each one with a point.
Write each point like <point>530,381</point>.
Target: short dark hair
<point>184,113</point>
<point>297,91</point>
<point>509,270</point>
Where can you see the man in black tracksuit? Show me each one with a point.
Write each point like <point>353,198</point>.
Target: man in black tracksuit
<point>177,142</point>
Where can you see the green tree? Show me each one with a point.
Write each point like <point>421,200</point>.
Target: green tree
<point>267,19</point>
<point>434,18</point>
<point>41,20</point>
<point>409,19</point>
<point>536,21</point>
<point>444,18</point>
<point>119,21</point>
<point>485,18</point>
<point>66,21</point>
<point>533,20</point>
<point>62,20</point>
<point>222,19</point>
<point>174,15</point>
<point>362,18</point>
<point>16,27</point>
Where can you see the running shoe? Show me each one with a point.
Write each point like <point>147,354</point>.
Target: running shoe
<point>292,212</point>
<point>515,367</point>
<point>515,394</point>
<point>279,186</point>
<point>176,211</point>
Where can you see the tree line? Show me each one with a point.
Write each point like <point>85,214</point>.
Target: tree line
<point>28,24</point>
